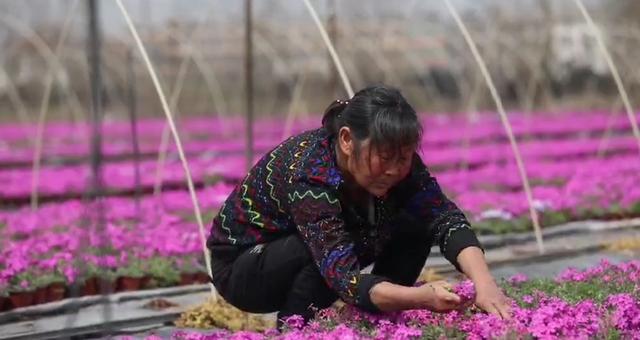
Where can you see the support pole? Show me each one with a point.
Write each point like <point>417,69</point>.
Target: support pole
<point>248,67</point>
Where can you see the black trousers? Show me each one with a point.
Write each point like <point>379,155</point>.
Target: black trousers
<point>282,276</point>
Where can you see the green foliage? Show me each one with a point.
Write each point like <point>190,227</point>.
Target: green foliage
<point>613,334</point>
<point>207,216</point>
<point>91,270</point>
<point>615,208</point>
<point>22,282</point>
<point>45,279</point>
<point>163,271</point>
<point>500,226</point>
<point>434,332</point>
<point>189,264</point>
<point>60,229</point>
<point>572,292</point>
<point>550,218</point>
<point>210,180</point>
<point>134,268</point>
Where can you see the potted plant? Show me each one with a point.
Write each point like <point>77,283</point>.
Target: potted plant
<point>94,277</point>
<point>41,284</point>
<point>187,270</point>
<point>163,271</point>
<point>147,281</point>
<point>21,290</point>
<point>5,303</point>
<point>90,280</point>
<point>106,281</point>
<point>191,270</point>
<point>129,276</point>
<point>200,274</point>
<point>57,288</point>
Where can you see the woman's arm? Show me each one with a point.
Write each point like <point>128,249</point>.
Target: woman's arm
<point>391,297</point>
<point>444,219</point>
<point>472,263</point>
<point>489,297</point>
<point>458,243</point>
<point>316,211</point>
<point>435,296</point>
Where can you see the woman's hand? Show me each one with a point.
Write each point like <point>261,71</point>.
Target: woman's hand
<point>489,297</point>
<point>438,297</point>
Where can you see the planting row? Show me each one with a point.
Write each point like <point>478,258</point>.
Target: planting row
<point>66,140</point>
<point>483,166</point>
<point>602,302</point>
<point>492,196</point>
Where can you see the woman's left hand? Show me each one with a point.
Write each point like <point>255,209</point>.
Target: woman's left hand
<point>491,299</point>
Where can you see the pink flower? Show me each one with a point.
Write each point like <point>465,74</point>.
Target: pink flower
<point>70,274</point>
<point>406,333</point>
<point>295,321</point>
<point>484,326</point>
<point>518,279</point>
<point>626,312</point>
<point>153,337</point>
<point>466,290</point>
<point>527,299</point>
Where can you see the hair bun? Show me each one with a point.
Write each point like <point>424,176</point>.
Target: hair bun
<point>333,111</point>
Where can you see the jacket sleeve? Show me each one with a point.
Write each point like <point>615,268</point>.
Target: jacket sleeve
<point>448,225</point>
<point>317,214</point>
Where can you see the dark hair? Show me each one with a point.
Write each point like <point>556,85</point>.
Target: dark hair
<point>377,112</point>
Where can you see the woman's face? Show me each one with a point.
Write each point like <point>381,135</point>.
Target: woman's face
<point>376,170</point>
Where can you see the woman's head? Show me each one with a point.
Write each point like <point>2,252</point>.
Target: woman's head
<point>376,134</point>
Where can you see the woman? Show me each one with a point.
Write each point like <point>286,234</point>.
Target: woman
<point>295,234</point>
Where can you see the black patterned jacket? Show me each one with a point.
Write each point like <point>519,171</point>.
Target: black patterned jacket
<point>297,187</point>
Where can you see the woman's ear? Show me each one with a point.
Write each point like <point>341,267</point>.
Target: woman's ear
<point>345,140</point>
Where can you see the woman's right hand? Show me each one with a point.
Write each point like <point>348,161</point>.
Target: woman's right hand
<point>438,297</point>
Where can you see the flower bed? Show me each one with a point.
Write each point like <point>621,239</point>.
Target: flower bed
<point>569,180</point>
<point>64,139</point>
<point>602,302</point>
<point>62,245</point>
<point>477,165</point>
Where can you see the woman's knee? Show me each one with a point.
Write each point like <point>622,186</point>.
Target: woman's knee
<point>260,278</point>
